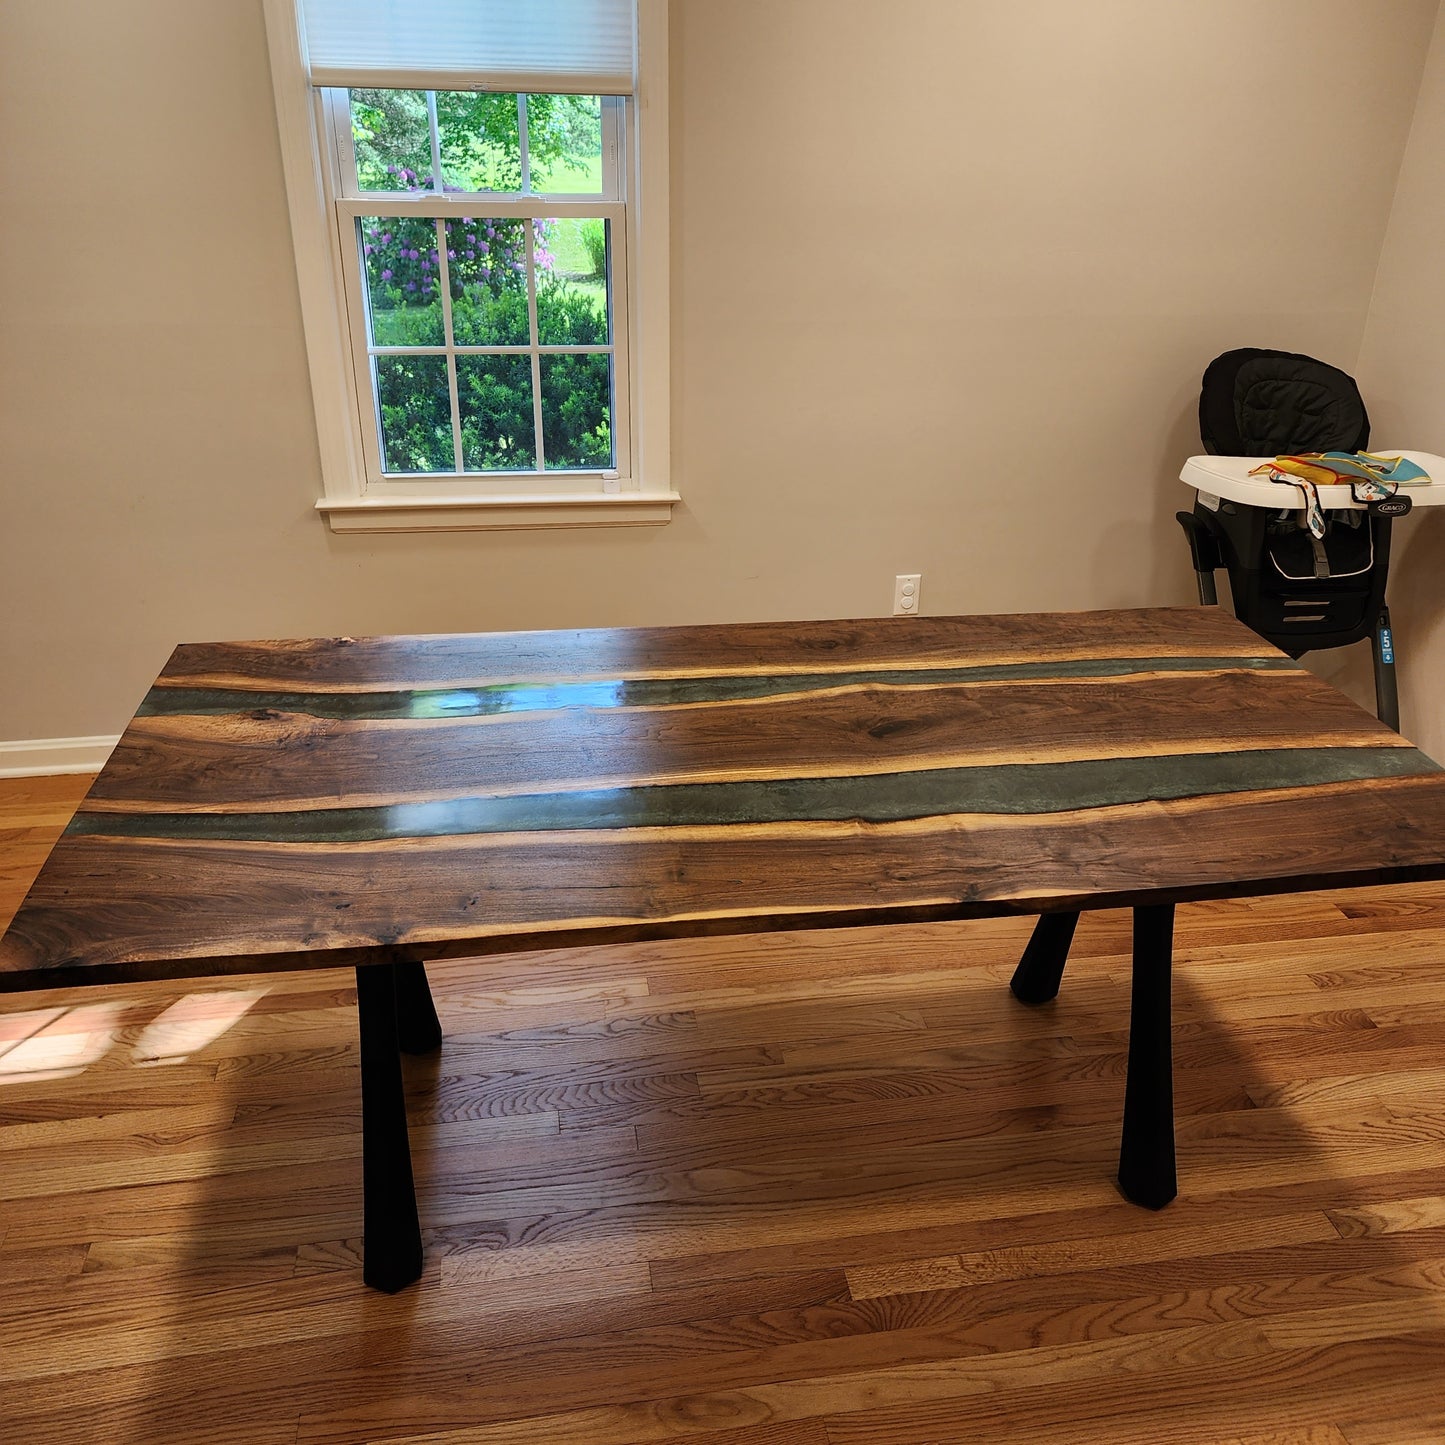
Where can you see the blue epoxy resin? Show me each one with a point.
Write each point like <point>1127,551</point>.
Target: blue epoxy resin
<point>1013,788</point>
<point>520,699</point>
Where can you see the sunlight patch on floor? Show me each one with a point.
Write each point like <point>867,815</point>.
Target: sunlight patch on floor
<point>58,1043</point>
<point>189,1024</point>
<point>66,1042</point>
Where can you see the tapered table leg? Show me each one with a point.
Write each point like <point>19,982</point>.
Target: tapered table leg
<point>392,1242</point>
<point>417,1027</point>
<point>1146,1155</point>
<point>1040,970</point>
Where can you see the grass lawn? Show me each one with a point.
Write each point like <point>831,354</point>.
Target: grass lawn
<point>560,180</point>
<point>574,263</point>
<point>567,245</point>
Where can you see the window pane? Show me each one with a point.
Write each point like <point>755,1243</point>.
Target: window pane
<point>481,150</point>
<point>416,414</point>
<point>494,396</point>
<point>400,258</point>
<point>577,411</point>
<point>572,282</point>
<point>392,138</point>
<point>487,268</point>
<point>564,143</point>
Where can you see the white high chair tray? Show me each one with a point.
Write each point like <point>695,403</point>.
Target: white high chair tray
<point>1216,477</point>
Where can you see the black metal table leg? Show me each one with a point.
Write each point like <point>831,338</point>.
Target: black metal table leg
<point>1146,1156</point>
<point>392,1242</point>
<point>1040,970</point>
<point>418,1030</point>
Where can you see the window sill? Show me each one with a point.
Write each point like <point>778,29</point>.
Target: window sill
<point>507,513</point>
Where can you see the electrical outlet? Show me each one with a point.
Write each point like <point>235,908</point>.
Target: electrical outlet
<point>905,594</point>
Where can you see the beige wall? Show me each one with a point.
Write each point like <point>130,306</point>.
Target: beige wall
<point>946,274</point>
<point>1402,373</point>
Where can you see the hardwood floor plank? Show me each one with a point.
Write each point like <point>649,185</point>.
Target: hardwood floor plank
<point>1425,1426</point>
<point>1326,1434</point>
<point>1250,1208</point>
<point>1023,1261</point>
<point>802,1432</point>
<point>1275,1345</point>
<point>518,1375</point>
<point>573,1286</point>
<point>1392,1216</point>
<point>1194,1403</point>
<point>840,1336</point>
<point>116,1124</point>
<point>49,1265</point>
<point>907,1100</point>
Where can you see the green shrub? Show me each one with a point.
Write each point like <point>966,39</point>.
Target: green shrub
<point>494,393</point>
<point>416,416</point>
<point>594,237</point>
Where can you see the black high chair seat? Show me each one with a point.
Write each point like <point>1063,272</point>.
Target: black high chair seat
<point>1255,403</point>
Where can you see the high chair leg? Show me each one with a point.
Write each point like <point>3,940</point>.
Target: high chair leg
<point>1204,551</point>
<point>1382,645</point>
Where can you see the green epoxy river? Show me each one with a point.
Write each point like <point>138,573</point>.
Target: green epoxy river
<point>462,702</point>
<point>1017,788</point>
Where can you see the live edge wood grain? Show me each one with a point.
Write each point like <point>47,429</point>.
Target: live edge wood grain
<point>305,804</point>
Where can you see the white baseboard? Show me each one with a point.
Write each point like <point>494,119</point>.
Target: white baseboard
<point>34,757</point>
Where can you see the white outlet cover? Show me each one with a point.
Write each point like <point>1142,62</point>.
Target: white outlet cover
<point>906,589</point>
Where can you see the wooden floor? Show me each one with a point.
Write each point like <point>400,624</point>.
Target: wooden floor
<point>827,1189</point>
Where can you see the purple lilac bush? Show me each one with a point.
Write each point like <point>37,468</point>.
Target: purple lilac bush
<point>483,254</point>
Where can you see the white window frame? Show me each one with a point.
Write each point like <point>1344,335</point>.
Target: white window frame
<point>357,496</point>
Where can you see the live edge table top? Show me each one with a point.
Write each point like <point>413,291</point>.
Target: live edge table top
<point>279,805</point>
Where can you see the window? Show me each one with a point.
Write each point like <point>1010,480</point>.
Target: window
<point>485,309</point>
<point>486,300</point>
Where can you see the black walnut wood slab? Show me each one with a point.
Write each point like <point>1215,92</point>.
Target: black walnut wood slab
<point>283,805</point>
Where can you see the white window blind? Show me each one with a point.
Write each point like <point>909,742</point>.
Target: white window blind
<point>578,47</point>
